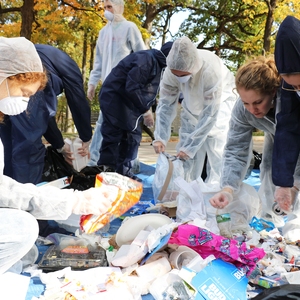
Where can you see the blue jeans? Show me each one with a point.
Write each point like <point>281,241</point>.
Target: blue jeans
<point>96,142</point>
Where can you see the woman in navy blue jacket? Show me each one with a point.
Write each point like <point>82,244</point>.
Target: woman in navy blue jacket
<point>126,97</point>
<point>21,134</point>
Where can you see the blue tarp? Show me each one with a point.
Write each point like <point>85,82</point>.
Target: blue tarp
<point>36,288</point>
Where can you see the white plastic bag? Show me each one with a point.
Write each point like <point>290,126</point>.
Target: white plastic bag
<point>190,201</point>
<point>235,218</point>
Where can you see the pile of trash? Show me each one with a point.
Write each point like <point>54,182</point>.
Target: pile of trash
<point>153,257</point>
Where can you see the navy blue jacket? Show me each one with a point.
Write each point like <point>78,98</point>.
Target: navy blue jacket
<point>287,136</point>
<point>21,134</point>
<point>64,76</point>
<point>131,87</point>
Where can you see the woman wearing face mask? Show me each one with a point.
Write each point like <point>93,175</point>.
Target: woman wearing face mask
<point>257,83</point>
<point>21,76</point>
<point>207,88</point>
<point>117,39</point>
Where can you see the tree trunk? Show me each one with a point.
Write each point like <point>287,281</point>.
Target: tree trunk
<point>151,13</point>
<point>269,22</point>
<point>84,52</point>
<point>27,13</point>
<point>92,50</point>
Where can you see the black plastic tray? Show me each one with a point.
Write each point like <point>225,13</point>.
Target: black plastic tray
<point>54,260</point>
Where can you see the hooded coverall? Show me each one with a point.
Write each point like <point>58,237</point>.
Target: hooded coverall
<point>206,108</point>
<point>116,40</point>
<point>127,93</point>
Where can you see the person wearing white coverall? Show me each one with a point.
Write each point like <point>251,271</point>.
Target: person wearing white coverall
<point>207,88</point>
<point>117,39</point>
<point>258,84</point>
<point>21,76</point>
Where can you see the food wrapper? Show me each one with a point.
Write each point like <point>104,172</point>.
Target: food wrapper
<point>206,243</point>
<point>129,193</point>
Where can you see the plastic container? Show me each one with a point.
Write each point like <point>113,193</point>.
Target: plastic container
<point>79,161</point>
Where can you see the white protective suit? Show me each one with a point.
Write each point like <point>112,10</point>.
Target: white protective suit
<point>238,152</point>
<point>208,99</point>
<point>116,40</point>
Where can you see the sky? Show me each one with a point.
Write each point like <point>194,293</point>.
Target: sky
<point>176,21</point>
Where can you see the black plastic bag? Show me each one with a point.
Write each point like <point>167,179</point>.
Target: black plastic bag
<point>286,291</point>
<point>56,167</point>
<point>257,159</point>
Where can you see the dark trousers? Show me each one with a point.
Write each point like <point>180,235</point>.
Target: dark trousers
<point>119,146</point>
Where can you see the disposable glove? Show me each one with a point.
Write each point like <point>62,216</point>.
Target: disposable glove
<point>91,92</point>
<point>222,199</point>
<point>148,119</point>
<point>67,153</point>
<point>95,201</point>
<point>285,197</point>
<point>84,150</point>
<point>158,146</point>
<point>182,155</point>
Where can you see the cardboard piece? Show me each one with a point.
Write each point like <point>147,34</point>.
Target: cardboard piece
<point>220,280</point>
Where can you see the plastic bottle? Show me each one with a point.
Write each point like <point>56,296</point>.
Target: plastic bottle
<point>265,282</point>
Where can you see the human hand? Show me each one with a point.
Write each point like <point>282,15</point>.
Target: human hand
<point>285,197</point>
<point>84,150</point>
<point>222,199</point>
<point>67,153</point>
<point>182,155</point>
<point>95,201</point>
<point>91,92</point>
<point>148,119</point>
<point>158,146</point>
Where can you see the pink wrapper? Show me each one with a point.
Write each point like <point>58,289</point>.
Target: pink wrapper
<point>206,243</point>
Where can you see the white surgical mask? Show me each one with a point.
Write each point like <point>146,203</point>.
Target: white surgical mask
<point>108,15</point>
<point>13,105</point>
<point>184,79</point>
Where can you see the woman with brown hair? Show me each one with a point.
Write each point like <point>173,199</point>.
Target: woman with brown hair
<point>258,84</point>
<point>21,76</point>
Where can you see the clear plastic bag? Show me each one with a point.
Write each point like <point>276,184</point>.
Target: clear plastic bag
<point>167,168</point>
<point>236,216</point>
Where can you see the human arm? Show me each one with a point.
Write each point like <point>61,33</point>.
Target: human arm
<point>222,198</point>
<point>287,140</point>
<point>285,160</point>
<point>285,197</point>
<point>135,39</point>
<point>166,109</point>
<point>148,119</point>
<point>65,76</point>
<point>48,202</point>
<point>96,72</point>
<point>238,149</point>
<point>54,137</point>
<point>143,74</point>
<point>71,77</point>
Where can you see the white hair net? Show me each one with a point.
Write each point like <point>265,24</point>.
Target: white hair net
<point>184,56</point>
<point>18,55</point>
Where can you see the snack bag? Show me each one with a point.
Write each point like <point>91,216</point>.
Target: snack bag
<point>128,194</point>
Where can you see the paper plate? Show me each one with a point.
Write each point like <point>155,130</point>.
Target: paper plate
<point>131,227</point>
